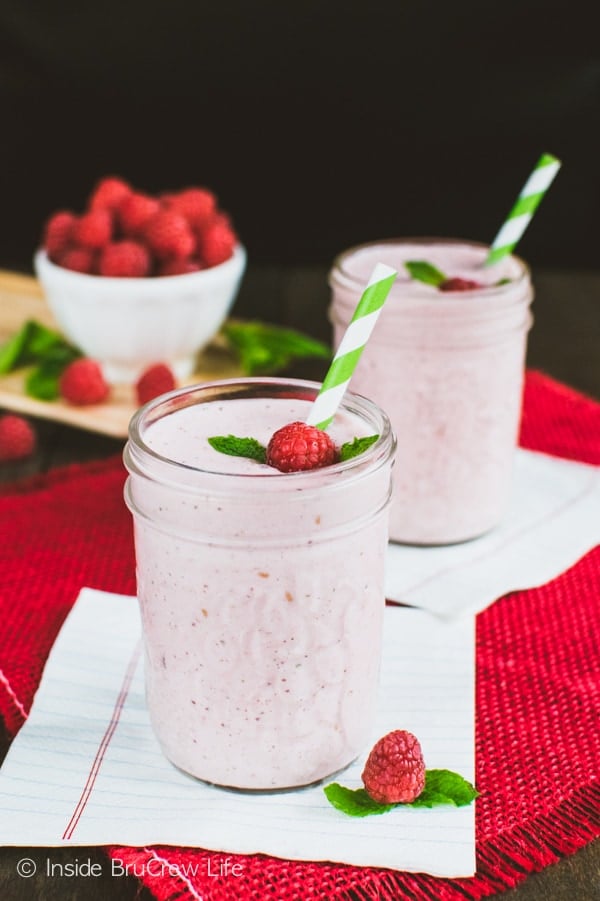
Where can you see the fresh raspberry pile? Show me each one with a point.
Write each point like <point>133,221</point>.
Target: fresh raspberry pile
<point>299,446</point>
<point>17,438</point>
<point>459,284</point>
<point>125,233</point>
<point>82,383</point>
<point>395,770</point>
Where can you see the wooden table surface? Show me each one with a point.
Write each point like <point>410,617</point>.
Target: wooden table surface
<point>564,342</point>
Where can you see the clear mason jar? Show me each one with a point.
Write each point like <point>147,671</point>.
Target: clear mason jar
<point>448,369</point>
<point>261,593</point>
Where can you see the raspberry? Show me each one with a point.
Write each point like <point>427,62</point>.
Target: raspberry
<point>17,438</point>
<point>395,770</point>
<point>93,229</point>
<point>179,267</point>
<point>168,235</point>
<point>216,243</point>
<point>153,381</point>
<point>135,211</point>
<point>58,233</point>
<point>124,259</point>
<point>78,259</point>
<point>197,205</point>
<point>298,446</point>
<point>222,219</point>
<point>459,284</point>
<point>108,194</point>
<point>82,383</point>
<point>219,218</point>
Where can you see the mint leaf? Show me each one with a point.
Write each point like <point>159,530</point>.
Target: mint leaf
<point>34,343</point>
<point>425,272</point>
<point>358,446</point>
<point>502,281</point>
<point>239,447</point>
<point>445,787</point>
<point>355,803</point>
<point>43,381</point>
<point>45,349</point>
<point>263,349</point>
<point>43,340</point>
<point>12,351</point>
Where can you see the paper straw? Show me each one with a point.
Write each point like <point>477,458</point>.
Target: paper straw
<point>527,203</point>
<point>351,346</point>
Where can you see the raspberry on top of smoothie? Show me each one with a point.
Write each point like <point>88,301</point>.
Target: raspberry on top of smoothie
<point>298,446</point>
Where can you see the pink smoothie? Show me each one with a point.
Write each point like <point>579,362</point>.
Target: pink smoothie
<point>448,370</point>
<point>261,593</point>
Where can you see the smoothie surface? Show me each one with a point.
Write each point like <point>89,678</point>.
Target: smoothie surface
<point>183,436</point>
<point>454,259</point>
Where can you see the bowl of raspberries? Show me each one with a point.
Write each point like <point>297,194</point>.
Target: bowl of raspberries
<point>137,279</point>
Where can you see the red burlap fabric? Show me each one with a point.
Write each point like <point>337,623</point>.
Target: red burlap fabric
<point>538,682</point>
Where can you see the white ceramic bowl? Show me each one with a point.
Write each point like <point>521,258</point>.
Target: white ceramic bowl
<point>127,324</point>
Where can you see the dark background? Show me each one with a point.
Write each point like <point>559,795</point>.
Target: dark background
<point>319,124</point>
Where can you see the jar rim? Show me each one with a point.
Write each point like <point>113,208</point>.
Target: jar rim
<point>338,267</point>
<point>137,449</point>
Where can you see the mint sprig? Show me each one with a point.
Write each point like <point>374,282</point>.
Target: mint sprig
<point>45,349</point>
<point>33,343</point>
<point>239,447</point>
<point>425,272</point>
<point>263,349</point>
<point>357,446</point>
<point>441,787</point>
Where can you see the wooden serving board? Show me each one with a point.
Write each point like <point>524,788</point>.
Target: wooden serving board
<point>21,298</point>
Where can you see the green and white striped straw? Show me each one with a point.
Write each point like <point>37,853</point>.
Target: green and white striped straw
<point>351,346</point>
<point>527,203</point>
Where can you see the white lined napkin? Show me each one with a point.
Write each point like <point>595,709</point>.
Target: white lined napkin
<point>86,769</point>
<point>553,520</point>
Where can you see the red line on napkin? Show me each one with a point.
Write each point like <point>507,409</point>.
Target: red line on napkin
<point>105,742</point>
